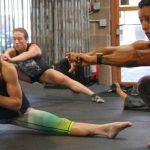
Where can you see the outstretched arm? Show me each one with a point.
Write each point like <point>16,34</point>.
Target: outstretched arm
<point>135,54</point>
<point>14,99</point>
<point>34,51</point>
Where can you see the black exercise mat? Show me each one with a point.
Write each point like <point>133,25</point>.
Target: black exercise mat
<point>111,92</point>
<point>108,94</point>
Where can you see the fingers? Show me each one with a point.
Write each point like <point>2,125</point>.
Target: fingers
<point>73,57</point>
<point>73,68</point>
<point>4,57</point>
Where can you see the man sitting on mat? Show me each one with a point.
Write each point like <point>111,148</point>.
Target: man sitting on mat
<point>15,109</point>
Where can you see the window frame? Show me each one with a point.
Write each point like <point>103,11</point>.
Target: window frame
<point>116,8</point>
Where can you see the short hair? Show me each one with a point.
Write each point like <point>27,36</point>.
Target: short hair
<point>144,3</point>
<point>22,30</point>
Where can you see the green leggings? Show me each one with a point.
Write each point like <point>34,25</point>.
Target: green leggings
<point>43,121</point>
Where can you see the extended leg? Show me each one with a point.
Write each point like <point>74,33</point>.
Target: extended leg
<point>44,121</point>
<point>109,130</point>
<point>56,77</point>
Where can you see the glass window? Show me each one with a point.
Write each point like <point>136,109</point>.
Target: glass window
<point>13,13</point>
<point>130,25</point>
<point>129,2</point>
<point>129,17</point>
<point>134,74</point>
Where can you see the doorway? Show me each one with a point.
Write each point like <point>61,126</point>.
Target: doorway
<point>126,22</point>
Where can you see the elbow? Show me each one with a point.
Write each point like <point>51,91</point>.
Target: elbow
<point>17,106</point>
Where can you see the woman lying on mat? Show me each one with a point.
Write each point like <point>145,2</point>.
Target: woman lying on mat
<point>15,109</point>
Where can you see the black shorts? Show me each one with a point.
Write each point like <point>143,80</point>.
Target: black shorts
<point>38,75</point>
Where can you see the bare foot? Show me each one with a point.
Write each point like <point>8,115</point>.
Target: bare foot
<point>117,85</point>
<point>121,93</point>
<point>116,127</point>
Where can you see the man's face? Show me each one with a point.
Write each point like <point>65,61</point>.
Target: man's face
<point>19,41</point>
<point>144,16</point>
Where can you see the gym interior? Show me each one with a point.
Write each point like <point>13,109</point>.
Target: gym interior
<point>60,26</point>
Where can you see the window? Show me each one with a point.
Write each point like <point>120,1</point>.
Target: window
<point>129,2</point>
<point>13,13</point>
<point>131,31</point>
<point>128,26</point>
<point>125,20</point>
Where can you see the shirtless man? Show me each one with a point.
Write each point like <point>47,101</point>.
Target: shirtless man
<point>131,55</point>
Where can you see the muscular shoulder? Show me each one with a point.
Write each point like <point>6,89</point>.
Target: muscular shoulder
<point>8,70</point>
<point>35,49</point>
<point>33,45</point>
<point>141,44</point>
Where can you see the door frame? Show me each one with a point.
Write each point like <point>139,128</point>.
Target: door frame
<point>115,11</point>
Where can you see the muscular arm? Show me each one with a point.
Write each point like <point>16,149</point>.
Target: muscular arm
<point>135,54</point>
<point>10,52</point>
<point>14,100</point>
<point>105,51</point>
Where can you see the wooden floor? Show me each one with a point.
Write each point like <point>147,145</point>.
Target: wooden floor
<point>77,107</point>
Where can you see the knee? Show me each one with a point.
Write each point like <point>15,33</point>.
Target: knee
<point>143,84</point>
<point>64,80</point>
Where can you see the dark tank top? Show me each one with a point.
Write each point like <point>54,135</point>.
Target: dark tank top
<point>7,113</point>
<point>33,67</point>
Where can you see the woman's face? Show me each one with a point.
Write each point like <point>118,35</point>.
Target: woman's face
<point>19,41</point>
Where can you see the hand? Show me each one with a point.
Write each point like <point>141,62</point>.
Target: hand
<point>73,67</point>
<point>6,57</point>
<point>75,61</point>
<point>73,57</point>
<point>86,60</point>
<point>81,58</point>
